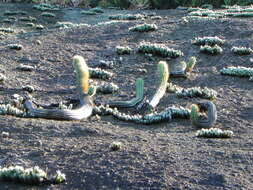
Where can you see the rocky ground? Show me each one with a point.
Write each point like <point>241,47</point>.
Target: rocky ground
<point>167,155</point>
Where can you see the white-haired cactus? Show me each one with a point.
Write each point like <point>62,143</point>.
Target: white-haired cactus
<point>100,73</point>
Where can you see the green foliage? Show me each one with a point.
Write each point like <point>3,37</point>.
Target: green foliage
<point>206,40</point>
<point>238,71</point>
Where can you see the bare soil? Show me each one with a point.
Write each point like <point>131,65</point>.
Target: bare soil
<point>159,156</point>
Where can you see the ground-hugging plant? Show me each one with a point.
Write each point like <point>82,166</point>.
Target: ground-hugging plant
<point>7,30</point>
<point>241,50</point>
<point>126,17</point>
<point>15,46</point>
<point>214,133</point>
<point>122,50</point>
<point>34,175</point>
<point>212,50</point>
<point>100,73</point>
<point>205,93</point>
<point>167,115</point>
<point>239,71</point>
<point>48,14</point>
<point>163,72</point>
<point>133,102</point>
<point>198,116</point>
<point>143,28</point>
<point>106,88</point>
<point>46,7</point>
<point>88,12</point>
<point>208,40</point>
<point>159,50</point>
<point>69,25</point>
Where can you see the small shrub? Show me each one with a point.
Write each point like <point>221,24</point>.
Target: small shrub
<point>212,50</point>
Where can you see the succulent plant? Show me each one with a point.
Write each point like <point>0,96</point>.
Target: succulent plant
<point>190,64</point>
<point>48,14</point>
<point>212,50</point>
<point>88,12</point>
<point>7,30</point>
<point>143,28</point>
<point>197,92</point>
<point>115,146</point>
<point>214,133</point>
<point>241,50</point>
<point>167,115</point>
<point>207,40</point>
<point>82,74</point>
<point>159,49</point>
<point>97,10</point>
<point>121,50</point>
<point>237,71</point>
<point>126,17</point>
<point>200,119</point>
<point>133,102</point>
<point>15,46</point>
<point>69,25</point>
<point>107,88</point>
<point>34,175</point>
<point>46,7</point>
<point>100,73</point>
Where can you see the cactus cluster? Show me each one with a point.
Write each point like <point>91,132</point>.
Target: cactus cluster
<point>106,88</point>
<point>143,28</point>
<point>34,175</point>
<point>126,17</point>
<point>237,71</point>
<point>97,10</point>
<point>159,49</point>
<point>100,73</point>
<point>166,115</point>
<point>15,46</point>
<point>69,25</point>
<point>27,19</point>
<point>109,23</point>
<point>212,50</point>
<point>205,93</point>
<point>7,30</point>
<point>48,14</point>
<point>214,133</point>
<point>241,50</point>
<point>121,50</point>
<point>11,13</point>
<point>8,109</point>
<point>46,7</point>
<point>88,12</point>
<point>207,40</point>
